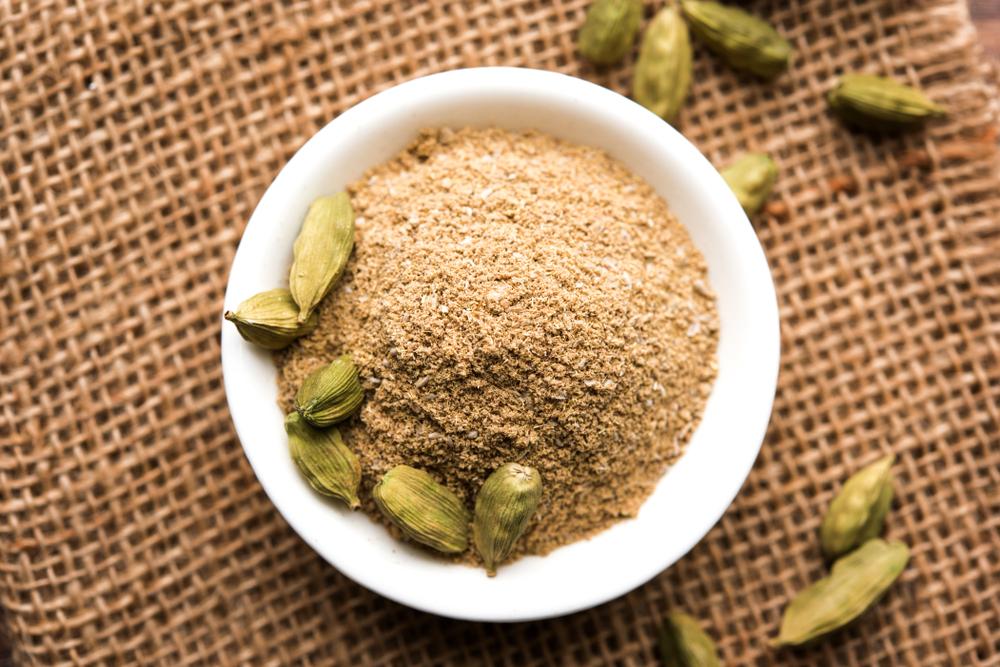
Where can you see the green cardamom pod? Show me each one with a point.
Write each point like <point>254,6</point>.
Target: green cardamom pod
<point>270,319</point>
<point>856,582</point>
<point>426,512</point>
<point>663,71</point>
<point>321,251</point>
<point>880,103</point>
<point>330,394</point>
<point>609,30</point>
<point>751,178</point>
<point>504,506</point>
<point>857,512</point>
<point>324,460</point>
<point>743,40</point>
<point>684,644</point>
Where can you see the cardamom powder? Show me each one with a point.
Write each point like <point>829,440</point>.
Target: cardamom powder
<point>513,297</point>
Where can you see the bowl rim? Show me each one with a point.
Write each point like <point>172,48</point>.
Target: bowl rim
<point>540,82</point>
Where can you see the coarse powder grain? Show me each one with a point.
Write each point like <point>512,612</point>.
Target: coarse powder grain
<point>513,297</point>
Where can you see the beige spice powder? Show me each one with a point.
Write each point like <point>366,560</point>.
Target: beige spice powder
<point>513,297</point>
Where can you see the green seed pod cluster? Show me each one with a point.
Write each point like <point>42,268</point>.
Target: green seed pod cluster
<point>275,318</point>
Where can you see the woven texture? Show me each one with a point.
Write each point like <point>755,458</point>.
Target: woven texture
<point>135,141</point>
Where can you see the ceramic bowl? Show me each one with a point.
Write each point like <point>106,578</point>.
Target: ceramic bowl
<point>693,493</point>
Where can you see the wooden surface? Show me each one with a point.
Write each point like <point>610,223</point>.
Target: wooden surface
<point>986,15</point>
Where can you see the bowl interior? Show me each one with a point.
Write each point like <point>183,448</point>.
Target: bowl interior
<point>694,492</point>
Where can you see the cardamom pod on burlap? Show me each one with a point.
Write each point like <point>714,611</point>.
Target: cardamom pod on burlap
<point>855,583</point>
<point>743,40</point>
<point>751,178</point>
<point>879,103</point>
<point>684,644</point>
<point>609,30</point>
<point>857,512</point>
<point>663,71</point>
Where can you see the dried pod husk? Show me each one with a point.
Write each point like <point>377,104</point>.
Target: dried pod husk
<point>330,394</point>
<point>743,40</point>
<point>856,582</point>
<point>857,512</point>
<point>324,460</point>
<point>504,506</point>
<point>321,251</point>
<point>663,71</point>
<point>426,512</point>
<point>609,30</point>
<point>270,319</point>
<point>881,104</point>
<point>684,644</point>
<point>751,178</point>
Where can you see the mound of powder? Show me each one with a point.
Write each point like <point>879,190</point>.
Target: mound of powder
<point>513,297</point>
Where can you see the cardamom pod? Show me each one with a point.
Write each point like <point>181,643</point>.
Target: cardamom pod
<point>424,510</point>
<point>856,582</point>
<point>270,319</point>
<point>751,178</point>
<point>684,644</point>
<point>609,30</point>
<point>321,251</point>
<point>743,40</point>
<point>857,512</point>
<point>879,103</point>
<point>504,506</point>
<point>324,460</point>
<point>330,394</point>
<point>663,71</point>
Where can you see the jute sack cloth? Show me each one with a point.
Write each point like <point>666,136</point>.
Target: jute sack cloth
<point>135,140</point>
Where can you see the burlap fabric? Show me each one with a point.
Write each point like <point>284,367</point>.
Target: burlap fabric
<point>135,141</point>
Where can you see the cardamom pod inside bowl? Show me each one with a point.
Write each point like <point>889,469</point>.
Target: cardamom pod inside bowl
<point>694,492</point>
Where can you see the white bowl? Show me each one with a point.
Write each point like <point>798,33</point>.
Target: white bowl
<point>692,495</point>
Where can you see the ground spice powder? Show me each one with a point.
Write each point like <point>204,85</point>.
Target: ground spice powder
<point>513,297</point>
